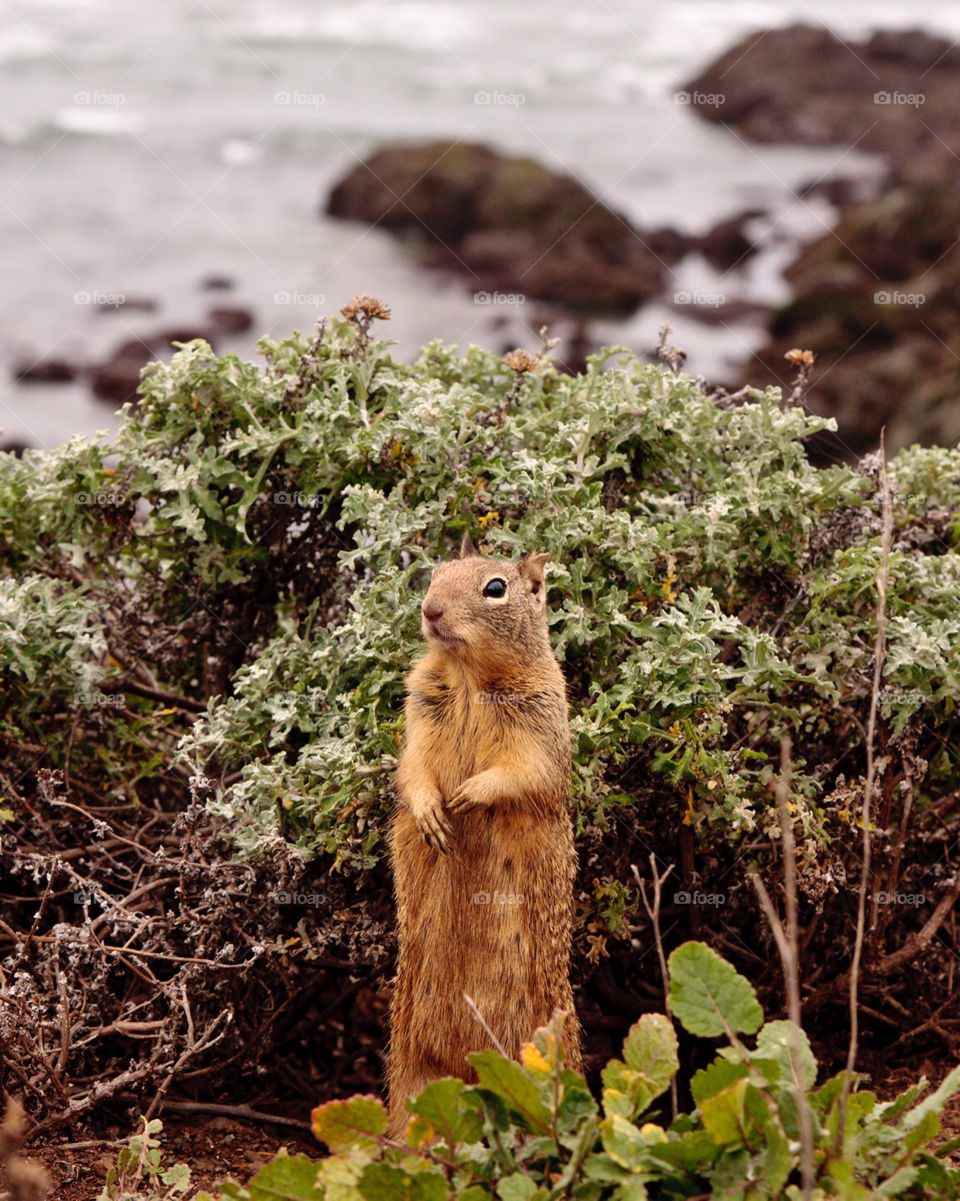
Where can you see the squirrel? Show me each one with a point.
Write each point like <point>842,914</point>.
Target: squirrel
<point>481,842</point>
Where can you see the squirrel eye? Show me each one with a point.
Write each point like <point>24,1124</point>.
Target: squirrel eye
<point>495,587</point>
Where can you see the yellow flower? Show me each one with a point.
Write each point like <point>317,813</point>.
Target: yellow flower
<point>532,1060</point>
<point>689,815</point>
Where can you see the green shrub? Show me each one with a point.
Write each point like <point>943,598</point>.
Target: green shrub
<point>533,1132</point>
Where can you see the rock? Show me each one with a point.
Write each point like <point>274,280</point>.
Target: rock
<point>117,379</point>
<point>509,224</point>
<point>894,93</point>
<point>13,446</point>
<point>217,283</point>
<point>230,320</point>
<point>727,245</point>
<point>45,371</point>
<point>878,301</point>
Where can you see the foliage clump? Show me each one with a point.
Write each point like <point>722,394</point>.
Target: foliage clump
<point>217,608</point>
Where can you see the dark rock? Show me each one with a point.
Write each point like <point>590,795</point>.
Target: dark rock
<point>217,283</point>
<point>45,371</point>
<point>511,224</point>
<point>13,446</point>
<point>117,379</point>
<point>894,94</point>
<point>230,321</point>
<point>726,245</point>
<point>878,301</point>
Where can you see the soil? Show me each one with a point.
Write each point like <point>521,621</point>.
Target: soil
<point>212,1147</point>
<point>218,1147</point>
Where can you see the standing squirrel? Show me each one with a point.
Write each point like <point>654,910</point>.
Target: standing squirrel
<point>482,842</point>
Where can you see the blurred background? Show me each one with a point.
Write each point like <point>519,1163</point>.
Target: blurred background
<point>165,170</point>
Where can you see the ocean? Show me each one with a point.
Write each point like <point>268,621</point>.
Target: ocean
<point>146,145</point>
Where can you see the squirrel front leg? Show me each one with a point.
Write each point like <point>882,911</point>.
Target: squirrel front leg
<point>522,779</point>
<point>418,791</point>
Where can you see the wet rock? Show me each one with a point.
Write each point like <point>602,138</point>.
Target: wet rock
<point>508,224</point>
<point>894,93</point>
<point>230,320</point>
<point>116,380</point>
<point>727,245</point>
<point>217,283</point>
<point>878,301</point>
<point>45,371</point>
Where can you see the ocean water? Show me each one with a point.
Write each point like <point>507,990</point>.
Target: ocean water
<point>148,144</point>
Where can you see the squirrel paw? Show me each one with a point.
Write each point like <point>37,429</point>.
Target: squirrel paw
<point>433,824</point>
<point>466,797</point>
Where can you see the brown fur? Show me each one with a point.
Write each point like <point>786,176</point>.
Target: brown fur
<point>482,784</point>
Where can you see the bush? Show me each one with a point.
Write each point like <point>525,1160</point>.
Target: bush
<point>213,615</point>
<point>534,1132</point>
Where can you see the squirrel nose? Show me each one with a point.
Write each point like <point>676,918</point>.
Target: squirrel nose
<point>431,610</point>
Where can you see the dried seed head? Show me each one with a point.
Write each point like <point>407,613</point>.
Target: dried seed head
<point>520,361</point>
<point>370,307</point>
<point>799,358</point>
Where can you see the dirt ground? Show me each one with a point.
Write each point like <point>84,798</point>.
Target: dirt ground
<point>212,1147</point>
<point>217,1147</point>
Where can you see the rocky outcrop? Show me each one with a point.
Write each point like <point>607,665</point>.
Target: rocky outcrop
<point>894,93</point>
<point>878,301</point>
<point>509,225</point>
<point>877,298</point>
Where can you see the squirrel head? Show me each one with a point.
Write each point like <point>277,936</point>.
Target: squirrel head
<point>489,613</point>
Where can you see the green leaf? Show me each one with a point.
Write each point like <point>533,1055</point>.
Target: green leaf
<point>935,1102</point>
<point>287,1178</point>
<point>351,1125</point>
<point>623,1142</point>
<point>384,1182</point>
<point>776,1039</point>
<point>651,1048</point>
<point>442,1104</point>
<point>710,997</point>
<point>509,1082</point>
<point>724,1113</point>
<point>517,1187</point>
<point>719,1075</point>
<point>625,1092</point>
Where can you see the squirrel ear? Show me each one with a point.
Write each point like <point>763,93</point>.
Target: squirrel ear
<point>467,549</point>
<point>531,568</point>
